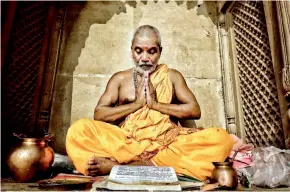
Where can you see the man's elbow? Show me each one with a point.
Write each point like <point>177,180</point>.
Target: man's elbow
<point>195,113</point>
<point>98,115</point>
<point>191,113</point>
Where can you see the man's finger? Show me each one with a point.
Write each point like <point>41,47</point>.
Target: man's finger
<point>143,89</point>
<point>147,88</point>
<point>145,83</point>
<point>93,174</point>
<point>150,85</point>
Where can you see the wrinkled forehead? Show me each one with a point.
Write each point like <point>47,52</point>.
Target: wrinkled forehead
<point>145,38</point>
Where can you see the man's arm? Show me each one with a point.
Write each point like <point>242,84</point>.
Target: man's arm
<point>107,111</point>
<point>188,109</point>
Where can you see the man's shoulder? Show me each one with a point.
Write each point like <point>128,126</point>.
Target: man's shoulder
<point>173,73</point>
<point>121,75</point>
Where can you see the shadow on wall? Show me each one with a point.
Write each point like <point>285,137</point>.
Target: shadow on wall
<point>74,37</point>
<point>73,40</point>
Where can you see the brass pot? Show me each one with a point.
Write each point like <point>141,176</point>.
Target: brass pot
<point>30,160</point>
<point>225,175</point>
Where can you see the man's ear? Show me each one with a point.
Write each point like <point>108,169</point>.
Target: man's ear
<point>160,49</point>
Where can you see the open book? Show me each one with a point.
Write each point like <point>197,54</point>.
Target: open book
<point>143,178</point>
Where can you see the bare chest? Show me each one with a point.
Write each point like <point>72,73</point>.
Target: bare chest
<point>126,92</point>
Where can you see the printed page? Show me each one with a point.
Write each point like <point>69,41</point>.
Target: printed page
<point>143,175</point>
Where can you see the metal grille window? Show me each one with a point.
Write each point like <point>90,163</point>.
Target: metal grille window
<point>22,63</point>
<point>262,116</point>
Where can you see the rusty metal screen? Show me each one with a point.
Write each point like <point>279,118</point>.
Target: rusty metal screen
<point>22,63</point>
<point>262,118</point>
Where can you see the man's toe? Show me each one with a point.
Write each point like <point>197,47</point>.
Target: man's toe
<point>93,167</point>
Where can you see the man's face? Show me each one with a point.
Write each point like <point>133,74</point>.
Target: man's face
<point>146,52</point>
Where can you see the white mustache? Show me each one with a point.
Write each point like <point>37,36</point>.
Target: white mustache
<point>140,63</point>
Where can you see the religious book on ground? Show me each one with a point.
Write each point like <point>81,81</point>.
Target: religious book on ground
<point>143,178</point>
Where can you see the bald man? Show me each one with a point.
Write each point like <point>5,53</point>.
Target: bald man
<point>135,120</point>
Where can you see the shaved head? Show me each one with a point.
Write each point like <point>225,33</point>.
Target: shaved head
<point>147,30</point>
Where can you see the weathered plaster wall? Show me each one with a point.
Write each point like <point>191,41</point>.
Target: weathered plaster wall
<point>96,44</point>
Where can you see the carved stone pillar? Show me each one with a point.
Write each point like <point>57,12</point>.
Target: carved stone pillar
<point>283,13</point>
<point>227,80</point>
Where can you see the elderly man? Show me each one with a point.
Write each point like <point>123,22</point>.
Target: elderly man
<point>135,120</point>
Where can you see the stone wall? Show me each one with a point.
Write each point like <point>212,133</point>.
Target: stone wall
<point>96,44</point>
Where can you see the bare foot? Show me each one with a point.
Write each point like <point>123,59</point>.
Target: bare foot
<point>100,166</point>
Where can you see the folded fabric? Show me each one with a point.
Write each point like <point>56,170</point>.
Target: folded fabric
<point>242,153</point>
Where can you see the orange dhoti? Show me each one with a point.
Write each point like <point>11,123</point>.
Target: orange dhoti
<point>150,134</point>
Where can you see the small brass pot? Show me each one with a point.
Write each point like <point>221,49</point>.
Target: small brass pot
<point>30,159</point>
<point>225,175</point>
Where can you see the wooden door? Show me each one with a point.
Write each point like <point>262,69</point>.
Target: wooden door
<point>258,97</point>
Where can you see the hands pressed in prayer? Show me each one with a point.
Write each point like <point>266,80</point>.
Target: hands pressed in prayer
<point>140,92</point>
<point>151,98</point>
<point>145,92</point>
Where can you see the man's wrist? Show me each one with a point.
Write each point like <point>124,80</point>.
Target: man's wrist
<point>155,105</point>
<point>137,105</point>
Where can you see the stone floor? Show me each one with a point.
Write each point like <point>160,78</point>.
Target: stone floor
<point>9,184</point>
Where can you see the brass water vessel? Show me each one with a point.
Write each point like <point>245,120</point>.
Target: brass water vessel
<point>30,159</point>
<point>225,175</point>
